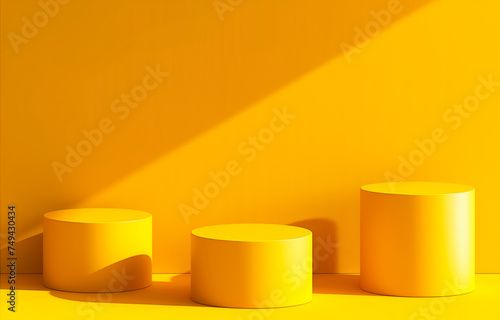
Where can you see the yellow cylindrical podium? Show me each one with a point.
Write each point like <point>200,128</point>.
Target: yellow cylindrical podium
<point>251,265</point>
<point>97,250</point>
<point>417,239</point>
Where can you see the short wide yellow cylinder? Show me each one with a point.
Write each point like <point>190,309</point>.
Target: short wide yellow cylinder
<point>97,250</point>
<point>417,239</point>
<point>251,265</point>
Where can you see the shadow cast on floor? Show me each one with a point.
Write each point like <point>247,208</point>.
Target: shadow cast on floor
<point>176,292</point>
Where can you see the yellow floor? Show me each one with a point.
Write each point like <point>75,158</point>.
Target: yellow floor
<point>336,296</point>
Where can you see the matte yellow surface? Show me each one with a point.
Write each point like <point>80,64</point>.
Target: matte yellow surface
<point>251,232</point>
<point>417,240</point>
<point>251,265</point>
<point>336,296</point>
<point>354,121</point>
<point>417,188</point>
<point>97,215</point>
<point>97,250</point>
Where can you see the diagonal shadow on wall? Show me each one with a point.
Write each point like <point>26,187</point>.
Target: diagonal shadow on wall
<point>218,68</point>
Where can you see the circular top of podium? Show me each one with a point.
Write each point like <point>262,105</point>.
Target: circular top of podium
<point>417,188</point>
<point>97,215</point>
<point>251,232</point>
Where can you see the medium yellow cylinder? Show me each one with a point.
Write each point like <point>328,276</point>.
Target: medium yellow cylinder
<point>97,250</point>
<point>251,265</point>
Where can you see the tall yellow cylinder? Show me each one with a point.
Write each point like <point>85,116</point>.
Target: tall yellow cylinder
<point>97,250</point>
<point>251,265</point>
<point>417,238</point>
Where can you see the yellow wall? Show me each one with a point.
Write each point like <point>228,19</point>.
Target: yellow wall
<point>353,118</point>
